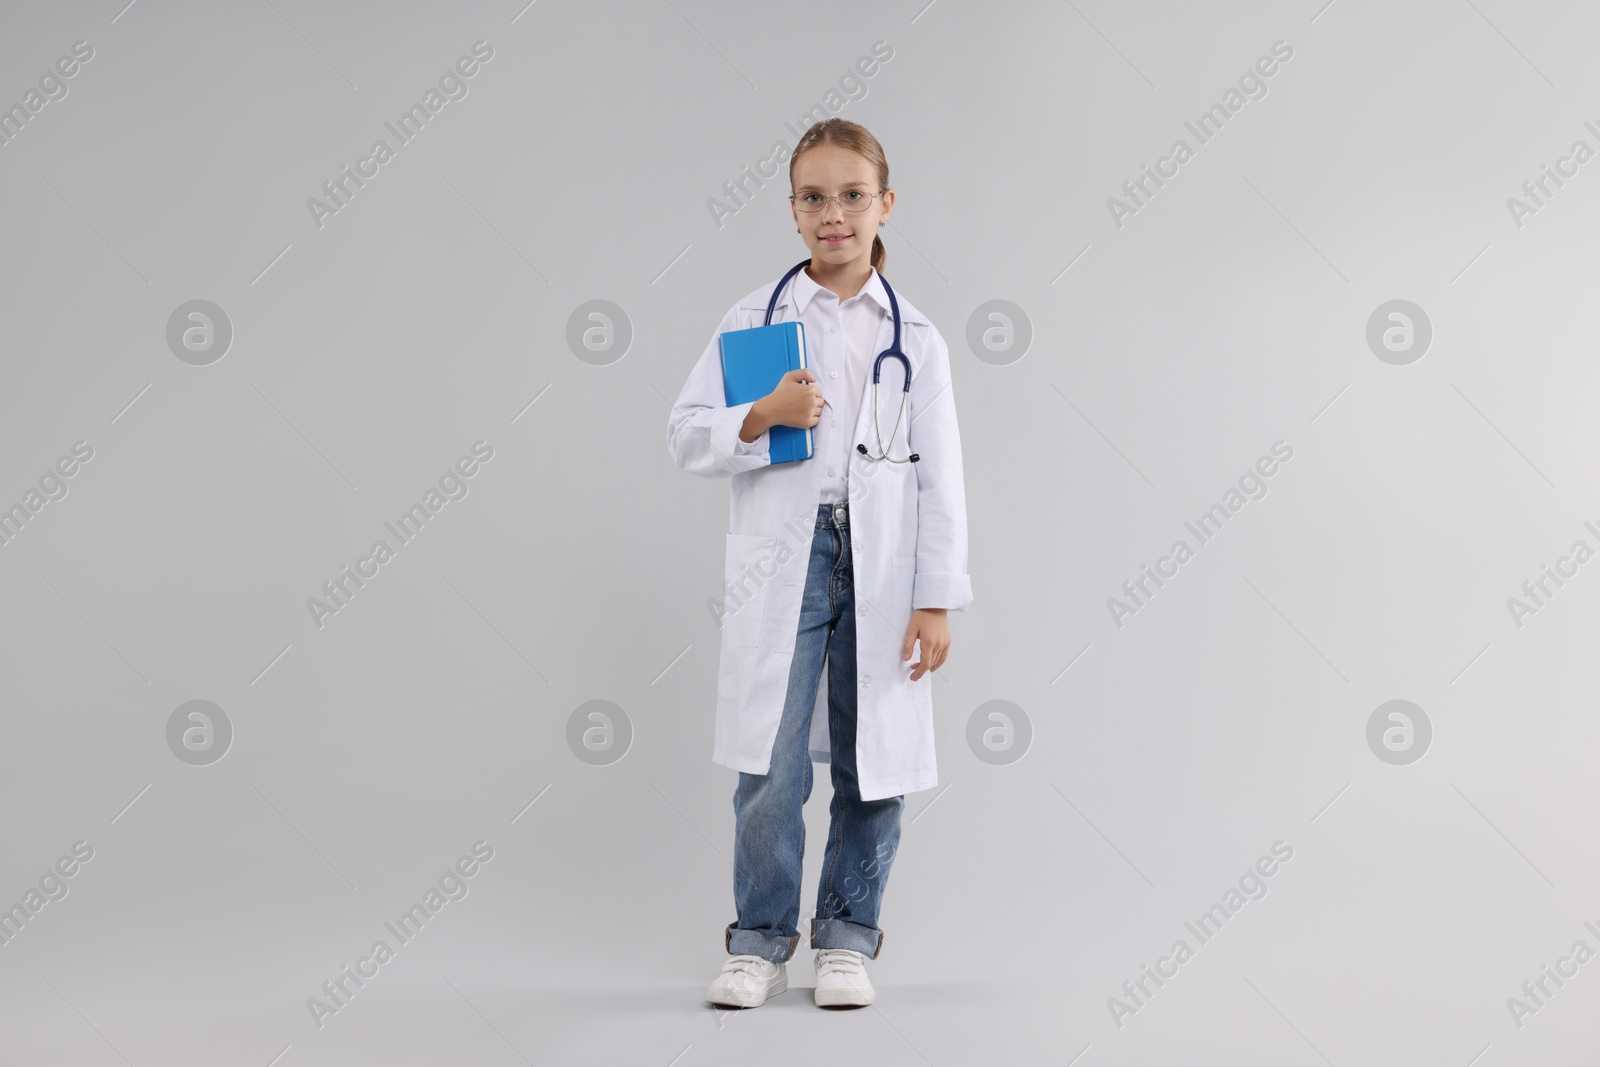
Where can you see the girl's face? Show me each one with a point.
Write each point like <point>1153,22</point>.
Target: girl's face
<point>836,237</point>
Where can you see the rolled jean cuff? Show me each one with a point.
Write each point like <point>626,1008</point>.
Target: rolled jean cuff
<point>841,933</point>
<point>756,943</point>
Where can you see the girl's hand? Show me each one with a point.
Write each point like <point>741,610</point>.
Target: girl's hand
<point>932,627</point>
<point>795,400</point>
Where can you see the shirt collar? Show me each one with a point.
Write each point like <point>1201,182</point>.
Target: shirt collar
<point>805,288</point>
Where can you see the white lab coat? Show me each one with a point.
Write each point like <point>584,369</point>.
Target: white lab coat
<point>908,529</point>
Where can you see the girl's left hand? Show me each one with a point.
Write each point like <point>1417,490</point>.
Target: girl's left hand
<point>932,627</point>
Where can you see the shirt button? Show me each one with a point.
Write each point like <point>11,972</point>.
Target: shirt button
<point>830,472</point>
<point>832,422</point>
<point>862,612</point>
<point>834,374</point>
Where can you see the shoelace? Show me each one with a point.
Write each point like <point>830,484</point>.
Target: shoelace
<point>842,960</point>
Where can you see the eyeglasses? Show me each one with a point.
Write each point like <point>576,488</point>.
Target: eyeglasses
<point>853,200</point>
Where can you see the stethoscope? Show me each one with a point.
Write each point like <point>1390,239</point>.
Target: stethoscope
<point>877,366</point>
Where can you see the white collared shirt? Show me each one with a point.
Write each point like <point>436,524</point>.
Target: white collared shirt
<point>839,337</point>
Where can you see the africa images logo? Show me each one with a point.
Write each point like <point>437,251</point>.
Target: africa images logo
<point>453,485</point>
<point>1252,486</point>
<point>1252,886</point>
<point>852,87</point>
<point>1211,122</point>
<point>452,885</point>
<point>452,86</point>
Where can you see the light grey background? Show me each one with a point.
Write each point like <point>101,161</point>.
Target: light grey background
<point>434,710</point>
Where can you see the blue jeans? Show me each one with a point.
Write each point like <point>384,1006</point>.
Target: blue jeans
<point>770,832</point>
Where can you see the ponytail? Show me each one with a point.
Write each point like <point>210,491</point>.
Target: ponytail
<point>878,253</point>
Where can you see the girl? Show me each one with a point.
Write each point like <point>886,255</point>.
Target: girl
<point>848,559</point>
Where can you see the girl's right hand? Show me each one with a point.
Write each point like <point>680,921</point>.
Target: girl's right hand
<point>795,402</point>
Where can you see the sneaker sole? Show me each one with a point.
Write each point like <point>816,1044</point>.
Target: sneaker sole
<point>845,998</point>
<point>752,998</point>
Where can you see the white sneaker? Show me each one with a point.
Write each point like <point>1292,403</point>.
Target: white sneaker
<point>747,981</point>
<point>842,979</point>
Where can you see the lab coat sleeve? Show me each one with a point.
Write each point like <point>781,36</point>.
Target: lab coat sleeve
<point>703,432</point>
<point>941,578</point>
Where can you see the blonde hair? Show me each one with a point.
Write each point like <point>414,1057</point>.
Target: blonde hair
<point>853,136</point>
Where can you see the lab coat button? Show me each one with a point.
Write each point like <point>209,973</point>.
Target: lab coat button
<point>830,472</point>
<point>867,681</point>
<point>835,374</point>
<point>862,611</point>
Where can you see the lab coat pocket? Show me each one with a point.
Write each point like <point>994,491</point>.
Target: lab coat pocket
<point>896,482</point>
<point>750,567</point>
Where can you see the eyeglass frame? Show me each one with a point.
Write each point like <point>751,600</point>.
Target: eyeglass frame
<point>825,200</point>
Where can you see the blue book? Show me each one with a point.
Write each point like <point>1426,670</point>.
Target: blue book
<point>753,362</point>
